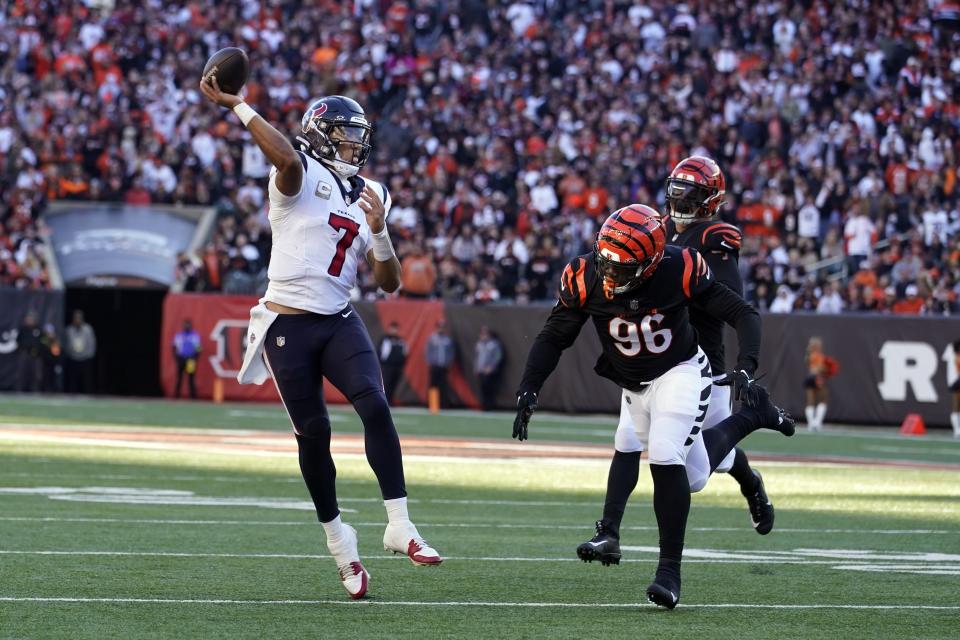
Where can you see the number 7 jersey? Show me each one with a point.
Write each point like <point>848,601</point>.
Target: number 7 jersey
<point>646,331</point>
<point>320,236</point>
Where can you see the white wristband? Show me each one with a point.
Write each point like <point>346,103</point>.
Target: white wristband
<point>245,112</point>
<point>382,247</point>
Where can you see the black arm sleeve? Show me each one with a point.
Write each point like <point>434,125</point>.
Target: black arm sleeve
<point>725,269</point>
<point>562,328</point>
<point>720,302</point>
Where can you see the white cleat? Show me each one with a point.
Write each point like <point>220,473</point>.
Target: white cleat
<point>404,538</point>
<point>354,577</point>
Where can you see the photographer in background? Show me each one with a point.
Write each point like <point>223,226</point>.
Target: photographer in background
<point>30,350</point>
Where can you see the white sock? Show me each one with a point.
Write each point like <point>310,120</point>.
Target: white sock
<point>809,412</point>
<point>955,421</point>
<point>397,511</point>
<point>334,531</point>
<point>821,413</point>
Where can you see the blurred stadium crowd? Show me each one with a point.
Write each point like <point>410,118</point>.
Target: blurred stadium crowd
<point>506,132</point>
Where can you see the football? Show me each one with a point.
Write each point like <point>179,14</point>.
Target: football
<point>231,67</point>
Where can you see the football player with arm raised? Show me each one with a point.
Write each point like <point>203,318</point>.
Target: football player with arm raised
<point>637,292</point>
<point>325,220</point>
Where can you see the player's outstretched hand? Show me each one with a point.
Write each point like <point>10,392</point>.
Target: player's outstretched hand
<point>373,208</point>
<point>526,405</point>
<point>743,388</point>
<point>210,89</point>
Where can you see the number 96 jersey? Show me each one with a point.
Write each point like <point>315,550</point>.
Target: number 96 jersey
<point>644,332</point>
<point>320,236</point>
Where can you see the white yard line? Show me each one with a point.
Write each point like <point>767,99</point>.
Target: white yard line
<point>457,525</point>
<point>409,603</point>
<point>310,556</point>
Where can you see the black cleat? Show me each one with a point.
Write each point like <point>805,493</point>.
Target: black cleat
<point>664,591</point>
<point>772,416</point>
<point>604,547</point>
<point>761,509</point>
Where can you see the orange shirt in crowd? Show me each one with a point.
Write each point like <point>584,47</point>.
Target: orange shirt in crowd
<point>595,201</point>
<point>70,187</point>
<point>419,275</point>
<point>68,63</point>
<point>865,278</point>
<point>908,306</point>
<point>898,178</point>
<point>759,219</point>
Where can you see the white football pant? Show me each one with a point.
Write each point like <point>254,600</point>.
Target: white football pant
<point>666,417</point>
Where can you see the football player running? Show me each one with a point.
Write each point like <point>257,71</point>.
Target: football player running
<point>637,291</point>
<point>694,194</point>
<point>325,220</point>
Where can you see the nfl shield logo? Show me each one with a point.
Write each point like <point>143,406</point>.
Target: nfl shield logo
<point>634,305</point>
<point>281,341</point>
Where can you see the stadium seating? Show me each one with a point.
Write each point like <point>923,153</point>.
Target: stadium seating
<point>503,135</point>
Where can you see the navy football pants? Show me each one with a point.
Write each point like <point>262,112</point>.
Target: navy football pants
<point>302,349</point>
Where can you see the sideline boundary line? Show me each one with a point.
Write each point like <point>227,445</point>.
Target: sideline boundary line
<point>452,525</point>
<point>408,603</point>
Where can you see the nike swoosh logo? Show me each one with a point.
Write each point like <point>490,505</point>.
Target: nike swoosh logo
<point>347,314</point>
<point>595,544</point>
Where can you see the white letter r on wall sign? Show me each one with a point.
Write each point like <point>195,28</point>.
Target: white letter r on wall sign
<point>913,363</point>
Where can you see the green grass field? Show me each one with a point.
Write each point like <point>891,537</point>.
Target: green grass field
<point>123,519</point>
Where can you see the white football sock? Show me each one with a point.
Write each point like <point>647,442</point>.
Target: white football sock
<point>821,413</point>
<point>397,511</point>
<point>334,531</point>
<point>955,422</point>
<point>809,412</point>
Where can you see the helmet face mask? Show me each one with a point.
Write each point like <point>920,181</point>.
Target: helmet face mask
<point>695,189</point>
<point>621,277</point>
<point>335,131</point>
<point>686,200</point>
<point>629,248</point>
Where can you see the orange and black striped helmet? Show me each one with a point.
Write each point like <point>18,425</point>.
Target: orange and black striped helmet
<point>629,247</point>
<point>695,189</point>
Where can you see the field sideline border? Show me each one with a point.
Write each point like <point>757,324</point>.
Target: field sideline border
<point>265,443</point>
<point>410,603</point>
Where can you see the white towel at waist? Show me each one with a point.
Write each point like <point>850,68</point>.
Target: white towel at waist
<point>254,369</point>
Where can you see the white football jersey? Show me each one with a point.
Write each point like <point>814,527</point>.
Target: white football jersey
<point>320,236</point>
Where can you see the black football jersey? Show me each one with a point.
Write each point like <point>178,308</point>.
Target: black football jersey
<point>644,332</point>
<point>719,244</point>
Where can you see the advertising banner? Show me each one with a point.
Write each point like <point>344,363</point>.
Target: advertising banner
<point>889,366</point>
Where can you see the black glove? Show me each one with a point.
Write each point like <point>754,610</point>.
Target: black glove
<point>743,388</point>
<point>526,405</point>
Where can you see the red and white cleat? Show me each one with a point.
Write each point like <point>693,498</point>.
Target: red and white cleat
<point>406,540</point>
<point>354,577</point>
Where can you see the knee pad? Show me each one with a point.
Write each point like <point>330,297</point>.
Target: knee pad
<point>315,427</point>
<point>666,452</point>
<point>626,440</point>
<point>696,483</point>
<point>670,436</point>
<point>373,409</point>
